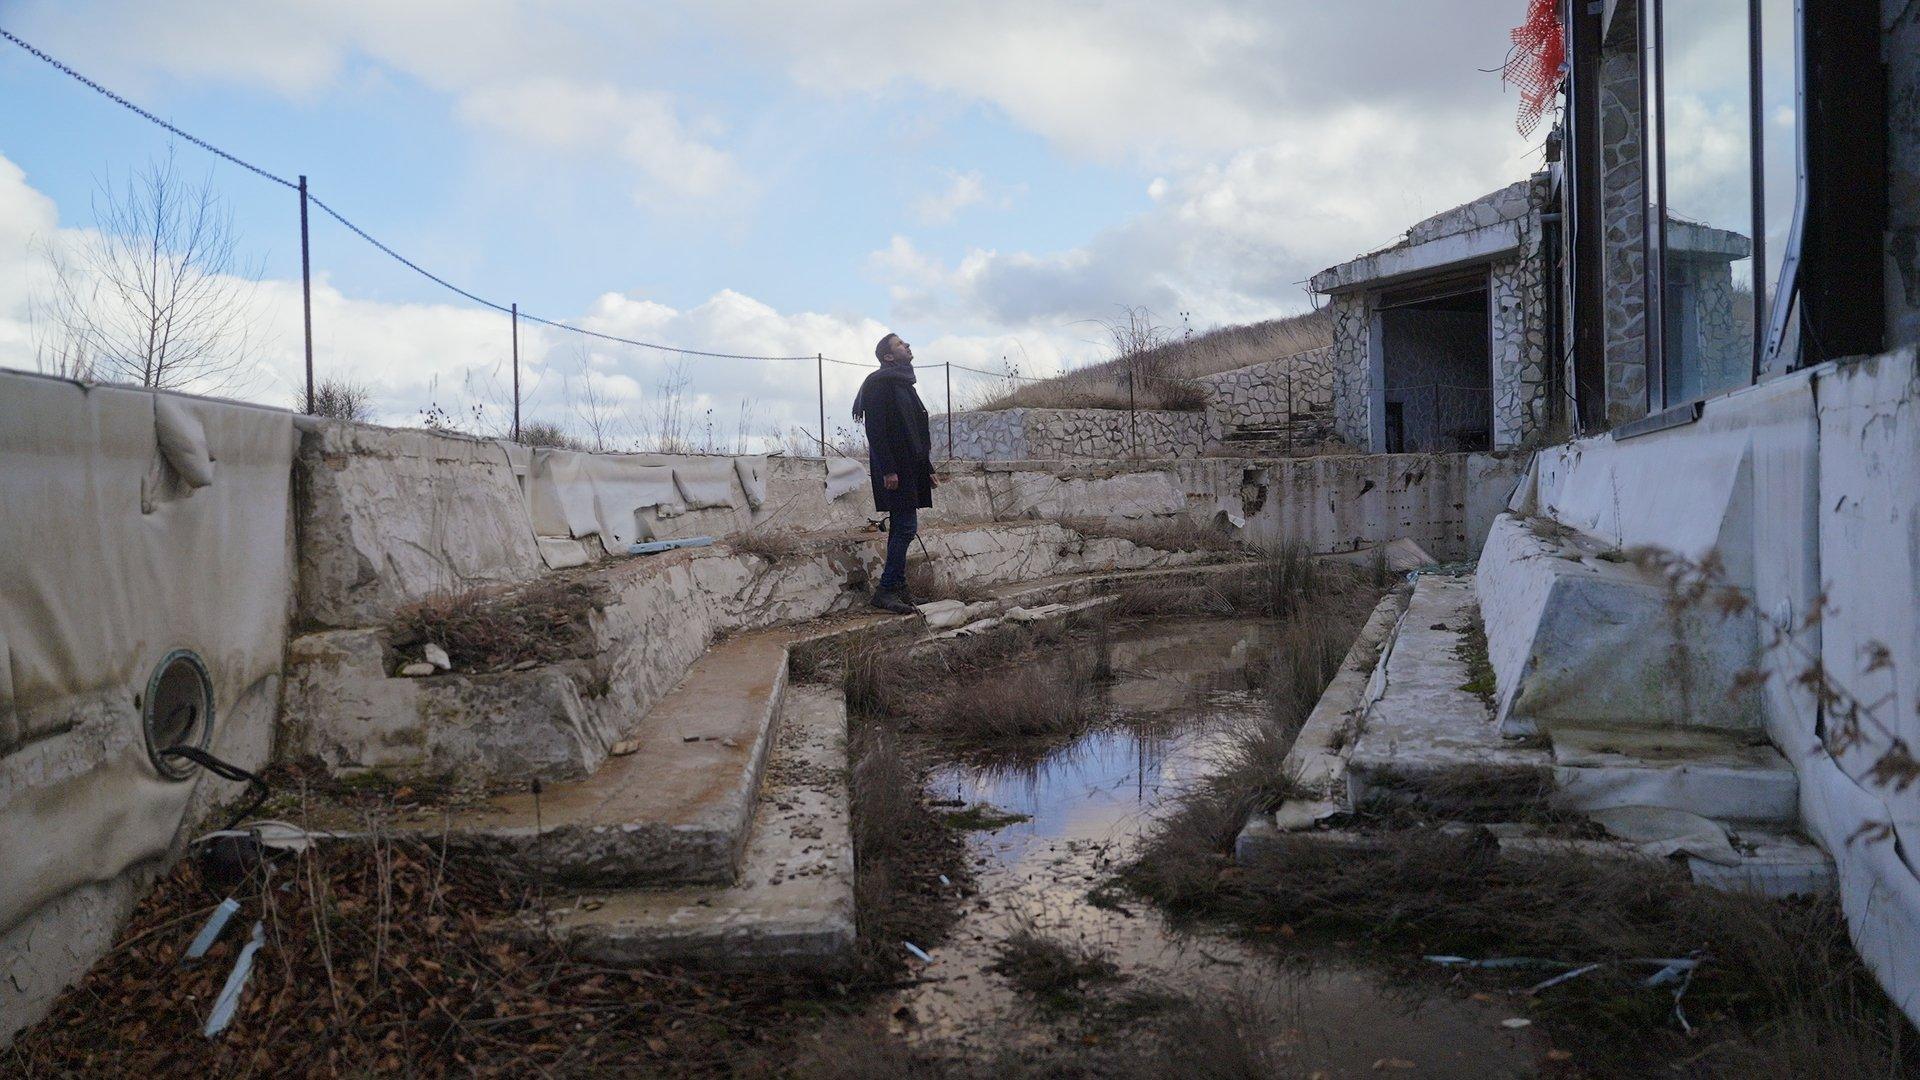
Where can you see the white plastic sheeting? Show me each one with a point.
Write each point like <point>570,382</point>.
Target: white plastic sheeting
<point>134,524</point>
<point>598,495</point>
<point>844,475</point>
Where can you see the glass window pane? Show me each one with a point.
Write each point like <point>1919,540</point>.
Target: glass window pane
<point>1780,151</point>
<point>1707,317</point>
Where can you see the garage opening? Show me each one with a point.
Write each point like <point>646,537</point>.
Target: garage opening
<point>1437,367</point>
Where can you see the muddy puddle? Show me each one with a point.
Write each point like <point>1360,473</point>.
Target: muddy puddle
<point>1178,692</point>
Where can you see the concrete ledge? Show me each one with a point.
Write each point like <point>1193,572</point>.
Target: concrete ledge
<point>793,906</point>
<point>1714,774</point>
<point>1424,737</point>
<point>676,809</point>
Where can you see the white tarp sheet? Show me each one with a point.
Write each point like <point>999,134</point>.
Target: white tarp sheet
<point>585,495</point>
<point>845,475</point>
<point>133,524</point>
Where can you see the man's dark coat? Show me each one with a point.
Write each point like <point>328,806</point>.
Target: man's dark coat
<point>898,439</point>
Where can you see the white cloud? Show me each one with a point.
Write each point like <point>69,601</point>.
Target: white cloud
<point>1228,241</point>
<point>963,189</point>
<point>642,128</point>
<point>415,356</point>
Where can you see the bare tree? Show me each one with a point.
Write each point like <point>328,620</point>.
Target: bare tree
<point>669,425</point>
<point>340,398</point>
<point>602,422</point>
<point>156,295</point>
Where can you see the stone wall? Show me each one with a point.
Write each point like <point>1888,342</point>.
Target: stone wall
<point>1060,434</point>
<point>1517,316</point>
<point>1291,395</point>
<point>1352,367</point>
<point>1623,209</point>
<point>1517,298</point>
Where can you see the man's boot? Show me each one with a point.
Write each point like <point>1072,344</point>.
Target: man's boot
<point>891,600</point>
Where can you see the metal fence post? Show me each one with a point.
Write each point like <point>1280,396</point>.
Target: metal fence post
<point>306,290</point>
<point>820,374</point>
<point>1133,425</point>
<point>949,368</point>
<point>515,315</point>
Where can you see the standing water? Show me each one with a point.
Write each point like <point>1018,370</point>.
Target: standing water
<point>1178,693</point>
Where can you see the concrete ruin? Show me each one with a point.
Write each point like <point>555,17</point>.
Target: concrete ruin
<point>1696,614</point>
<point>273,552</point>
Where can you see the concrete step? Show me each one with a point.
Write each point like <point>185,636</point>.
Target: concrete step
<point>793,906</point>
<point>1724,775</point>
<point>673,810</point>
<point>1426,739</point>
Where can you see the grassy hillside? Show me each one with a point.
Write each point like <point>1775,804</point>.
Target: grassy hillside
<point>1161,367</point>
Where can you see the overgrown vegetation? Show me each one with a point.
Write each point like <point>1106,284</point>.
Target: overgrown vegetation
<point>1472,651</point>
<point>901,849</point>
<point>1163,362</point>
<point>1779,991</point>
<point>498,627</point>
<point>338,397</point>
<point>1052,970</point>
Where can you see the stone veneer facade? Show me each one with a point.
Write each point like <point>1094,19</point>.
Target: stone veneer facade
<point>1623,208</point>
<point>1290,397</point>
<point>1518,315</point>
<point>1054,434</point>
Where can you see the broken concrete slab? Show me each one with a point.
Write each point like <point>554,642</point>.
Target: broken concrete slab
<point>676,810</point>
<point>1722,775</point>
<point>1771,863</point>
<point>793,906</point>
<point>1424,732</point>
<point>1578,634</point>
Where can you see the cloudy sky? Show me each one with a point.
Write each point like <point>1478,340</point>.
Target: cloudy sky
<point>989,178</point>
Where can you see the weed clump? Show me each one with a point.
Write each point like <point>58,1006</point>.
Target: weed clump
<point>497,627</point>
<point>773,545</point>
<point>1055,972</point>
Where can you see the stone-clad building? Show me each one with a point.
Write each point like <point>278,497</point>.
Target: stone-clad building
<point>1441,341</point>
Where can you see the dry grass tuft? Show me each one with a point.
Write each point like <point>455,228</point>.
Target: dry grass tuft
<point>1780,980</point>
<point>901,847</point>
<point>489,629</point>
<point>1054,971</point>
<point>1031,702</point>
<point>772,545</point>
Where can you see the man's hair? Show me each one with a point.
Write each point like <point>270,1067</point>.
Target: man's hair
<point>880,351</point>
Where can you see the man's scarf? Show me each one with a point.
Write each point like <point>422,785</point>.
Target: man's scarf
<point>901,372</point>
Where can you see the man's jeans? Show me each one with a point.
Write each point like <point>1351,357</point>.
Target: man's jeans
<point>902,527</point>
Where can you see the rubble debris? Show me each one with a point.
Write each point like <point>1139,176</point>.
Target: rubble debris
<point>437,656</point>
<point>229,999</point>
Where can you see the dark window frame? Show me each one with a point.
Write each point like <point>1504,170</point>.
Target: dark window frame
<point>1653,81</point>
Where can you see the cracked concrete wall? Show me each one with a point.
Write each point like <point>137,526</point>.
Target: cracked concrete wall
<point>389,515</point>
<point>559,720</point>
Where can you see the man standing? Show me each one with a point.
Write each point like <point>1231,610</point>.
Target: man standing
<point>899,454</point>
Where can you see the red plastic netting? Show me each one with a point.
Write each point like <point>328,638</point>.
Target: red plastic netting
<point>1538,58</point>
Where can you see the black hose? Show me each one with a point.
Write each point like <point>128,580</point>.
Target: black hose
<point>226,770</point>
